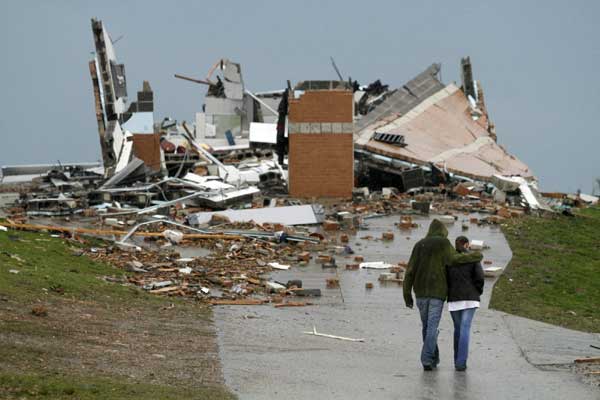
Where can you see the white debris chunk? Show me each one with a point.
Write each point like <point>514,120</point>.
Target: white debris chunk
<point>315,333</point>
<point>476,245</point>
<point>375,265</point>
<point>276,265</point>
<point>173,236</point>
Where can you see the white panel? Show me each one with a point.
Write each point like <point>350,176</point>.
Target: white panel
<point>263,132</point>
<point>291,215</point>
<point>125,155</point>
<point>200,125</point>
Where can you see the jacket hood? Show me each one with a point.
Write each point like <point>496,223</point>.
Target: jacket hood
<point>437,228</point>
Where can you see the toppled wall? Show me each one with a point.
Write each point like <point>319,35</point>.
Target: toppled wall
<point>115,118</point>
<point>114,83</point>
<point>321,158</point>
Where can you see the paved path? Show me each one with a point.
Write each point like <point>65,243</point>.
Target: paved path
<point>265,354</point>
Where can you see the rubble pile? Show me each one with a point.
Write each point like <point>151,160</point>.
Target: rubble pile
<point>231,272</point>
<point>234,270</point>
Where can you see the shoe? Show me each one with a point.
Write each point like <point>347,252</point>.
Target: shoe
<point>427,368</point>
<point>461,369</point>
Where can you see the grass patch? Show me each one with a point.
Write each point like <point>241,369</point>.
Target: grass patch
<point>554,275</point>
<point>57,386</point>
<point>48,266</point>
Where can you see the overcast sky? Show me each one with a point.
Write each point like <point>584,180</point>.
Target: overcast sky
<point>538,63</point>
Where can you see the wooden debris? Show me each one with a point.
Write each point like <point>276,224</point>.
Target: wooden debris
<point>165,290</point>
<point>110,232</point>
<point>332,283</point>
<point>329,225</point>
<point>587,360</point>
<point>293,304</point>
<point>239,302</point>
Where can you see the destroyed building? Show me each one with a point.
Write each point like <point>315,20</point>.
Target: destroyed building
<point>317,139</point>
<point>412,136</point>
<point>427,125</point>
<point>232,116</point>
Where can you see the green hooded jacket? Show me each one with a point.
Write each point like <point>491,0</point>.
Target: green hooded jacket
<point>426,272</point>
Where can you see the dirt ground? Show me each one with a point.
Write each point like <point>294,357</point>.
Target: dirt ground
<point>170,344</point>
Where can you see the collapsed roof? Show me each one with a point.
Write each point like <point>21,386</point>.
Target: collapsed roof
<point>426,122</point>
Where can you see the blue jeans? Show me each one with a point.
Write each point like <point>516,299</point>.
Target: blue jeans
<point>431,313</point>
<point>462,330</point>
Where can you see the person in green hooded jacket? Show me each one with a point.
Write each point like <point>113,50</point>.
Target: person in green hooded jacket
<point>426,275</point>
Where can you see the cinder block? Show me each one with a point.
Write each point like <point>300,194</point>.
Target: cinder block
<point>304,256</point>
<point>323,258</point>
<point>387,236</point>
<point>329,225</point>
<point>332,283</point>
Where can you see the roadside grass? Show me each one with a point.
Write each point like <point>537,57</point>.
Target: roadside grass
<point>44,264</point>
<point>87,388</point>
<point>554,275</point>
<point>40,356</point>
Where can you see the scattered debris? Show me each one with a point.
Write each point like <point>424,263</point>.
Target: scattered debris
<point>240,302</point>
<point>375,265</point>
<point>315,333</point>
<point>293,304</point>
<point>39,311</point>
<point>387,236</point>
<point>476,245</point>
<point>276,265</point>
<point>332,283</point>
<point>587,360</point>
<point>492,271</point>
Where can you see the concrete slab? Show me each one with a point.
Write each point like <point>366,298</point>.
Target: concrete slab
<point>544,344</point>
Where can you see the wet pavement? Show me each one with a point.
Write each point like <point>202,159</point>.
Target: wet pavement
<point>265,354</point>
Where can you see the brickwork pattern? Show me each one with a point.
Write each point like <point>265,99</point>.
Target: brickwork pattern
<point>321,148</point>
<point>321,165</point>
<point>322,106</point>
